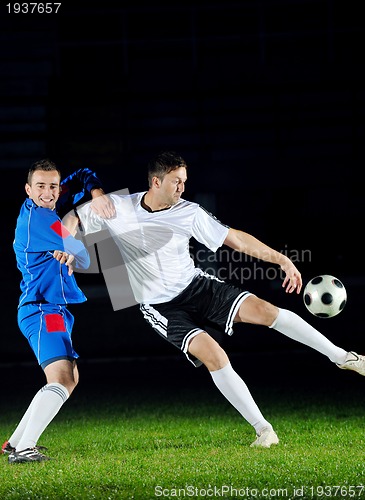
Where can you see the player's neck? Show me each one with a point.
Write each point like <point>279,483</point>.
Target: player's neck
<point>152,203</point>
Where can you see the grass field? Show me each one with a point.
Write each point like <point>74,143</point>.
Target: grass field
<point>144,431</point>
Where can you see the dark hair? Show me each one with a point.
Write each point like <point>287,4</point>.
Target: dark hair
<point>163,164</point>
<point>45,165</point>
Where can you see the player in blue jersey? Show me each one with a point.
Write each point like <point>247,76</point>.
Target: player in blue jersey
<point>46,253</point>
<point>152,229</point>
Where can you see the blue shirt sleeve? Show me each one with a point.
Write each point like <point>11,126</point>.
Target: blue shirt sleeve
<point>76,189</point>
<point>47,233</point>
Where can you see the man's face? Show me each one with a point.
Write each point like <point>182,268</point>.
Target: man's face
<point>173,185</point>
<point>44,189</point>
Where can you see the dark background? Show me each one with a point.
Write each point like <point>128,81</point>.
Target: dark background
<point>265,100</point>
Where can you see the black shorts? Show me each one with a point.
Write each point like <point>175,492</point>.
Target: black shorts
<point>207,301</point>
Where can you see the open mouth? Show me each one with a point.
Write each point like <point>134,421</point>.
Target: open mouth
<point>46,201</point>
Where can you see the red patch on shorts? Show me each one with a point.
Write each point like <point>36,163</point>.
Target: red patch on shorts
<point>60,229</point>
<point>55,323</point>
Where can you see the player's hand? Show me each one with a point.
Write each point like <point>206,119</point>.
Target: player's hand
<point>102,204</point>
<point>293,279</point>
<point>64,258</point>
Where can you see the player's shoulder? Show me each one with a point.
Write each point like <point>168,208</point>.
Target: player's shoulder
<point>29,206</point>
<point>187,204</point>
<point>193,208</point>
<point>124,197</point>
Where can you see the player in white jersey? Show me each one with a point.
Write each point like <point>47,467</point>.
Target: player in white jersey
<point>152,230</point>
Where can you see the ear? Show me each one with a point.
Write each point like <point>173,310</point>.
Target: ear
<point>27,189</point>
<point>156,182</point>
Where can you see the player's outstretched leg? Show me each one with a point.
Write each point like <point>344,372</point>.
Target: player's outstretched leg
<point>293,326</point>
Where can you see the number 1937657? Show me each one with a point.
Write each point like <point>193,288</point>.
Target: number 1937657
<point>33,8</point>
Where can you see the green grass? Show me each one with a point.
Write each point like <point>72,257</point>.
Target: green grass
<point>185,444</point>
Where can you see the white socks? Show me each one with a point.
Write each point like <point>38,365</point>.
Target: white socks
<point>41,411</point>
<point>236,391</point>
<point>293,326</point>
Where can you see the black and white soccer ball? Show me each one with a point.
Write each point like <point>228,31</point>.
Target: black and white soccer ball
<point>325,296</point>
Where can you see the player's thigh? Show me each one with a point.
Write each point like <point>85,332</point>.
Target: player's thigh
<point>256,311</point>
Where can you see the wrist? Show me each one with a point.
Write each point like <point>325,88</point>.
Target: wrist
<point>97,191</point>
<point>283,260</point>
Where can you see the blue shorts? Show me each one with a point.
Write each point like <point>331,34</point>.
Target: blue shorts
<point>47,327</point>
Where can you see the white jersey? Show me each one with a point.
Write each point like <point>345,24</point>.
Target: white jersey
<point>155,245</point>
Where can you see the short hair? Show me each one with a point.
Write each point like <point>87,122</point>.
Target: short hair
<point>164,163</point>
<point>45,165</point>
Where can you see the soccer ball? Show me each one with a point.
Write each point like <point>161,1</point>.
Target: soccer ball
<point>325,296</point>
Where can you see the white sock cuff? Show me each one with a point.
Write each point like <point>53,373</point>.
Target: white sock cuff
<point>275,320</point>
<point>222,371</point>
<point>58,389</point>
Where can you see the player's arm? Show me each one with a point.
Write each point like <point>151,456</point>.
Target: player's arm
<point>248,244</point>
<point>80,185</point>
<point>48,234</point>
<point>70,250</point>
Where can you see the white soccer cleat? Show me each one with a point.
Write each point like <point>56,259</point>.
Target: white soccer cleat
<point>266,438</point>
<point>354,362</point>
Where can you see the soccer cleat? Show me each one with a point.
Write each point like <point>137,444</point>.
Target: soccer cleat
<point>354,362</point>
<point>266,438</point>
<point>7,448</point>
<point>27,455</point>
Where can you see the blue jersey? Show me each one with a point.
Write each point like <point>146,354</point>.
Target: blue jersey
<point>39,231</point>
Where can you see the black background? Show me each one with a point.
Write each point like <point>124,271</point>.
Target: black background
<point>264,100</point>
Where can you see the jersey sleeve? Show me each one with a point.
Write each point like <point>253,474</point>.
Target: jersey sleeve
<point>90,221</point>
<point>47,233</point>
<point>208,230</point>
<point>75,189</point>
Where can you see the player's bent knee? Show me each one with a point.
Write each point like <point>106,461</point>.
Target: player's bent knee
<point>208,351</point>
<point>63,372</point>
